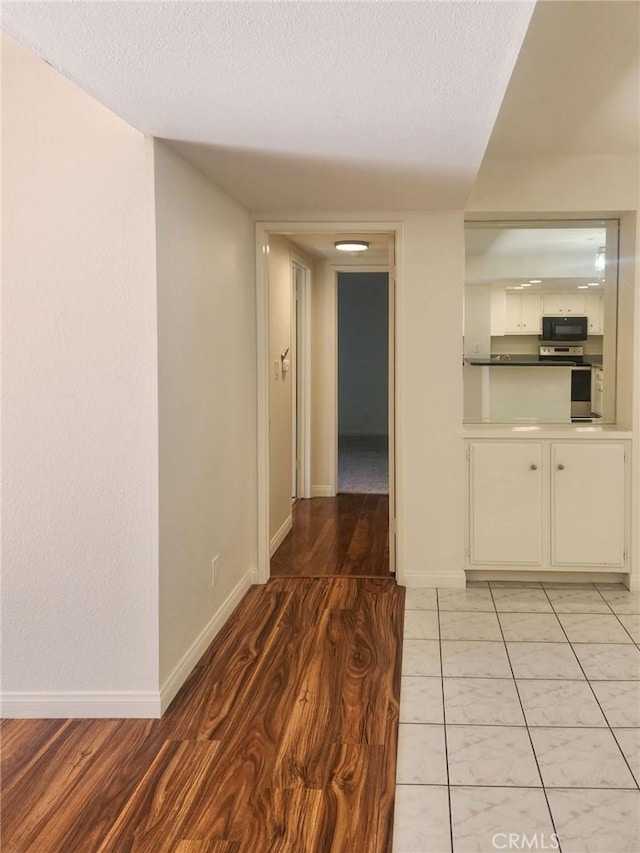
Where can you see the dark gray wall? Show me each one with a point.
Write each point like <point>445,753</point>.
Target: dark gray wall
<point>363,343</point>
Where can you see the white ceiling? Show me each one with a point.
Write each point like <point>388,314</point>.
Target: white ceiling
<point>575,88</point>
<point>298,105</point>
<point>562,257</point>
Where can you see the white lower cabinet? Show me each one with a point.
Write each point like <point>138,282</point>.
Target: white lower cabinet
<point>547,504</point>
<point>587,504</point>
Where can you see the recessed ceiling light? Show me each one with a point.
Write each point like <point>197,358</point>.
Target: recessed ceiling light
<point>525,285</point>
<point>583,286</point>
<point>535,281</point>
<point>593,284</point>
<point>351,245</point>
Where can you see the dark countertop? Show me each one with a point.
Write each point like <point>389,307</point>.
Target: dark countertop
<point>533,361</point>
<point>519,362</point>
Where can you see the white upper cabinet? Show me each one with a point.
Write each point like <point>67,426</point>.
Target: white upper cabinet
<point>522,314</point>
<point>566,302</point>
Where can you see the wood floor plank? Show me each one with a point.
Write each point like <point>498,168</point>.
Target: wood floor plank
<point>111,767</point>
<point>284,739</point>
<point>23,746</point>
<point>152,819</point>
<point>342,536</point>
<point>29,806</point>
<point>306,743</point>
<point>206,703</point>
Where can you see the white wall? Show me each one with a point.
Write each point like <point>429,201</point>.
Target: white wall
<point>556,184</point>
<point>324,397</point>
<point>80,594</point>
<point>206,367</point>
<point>430,464</point>
<point>363,354</point>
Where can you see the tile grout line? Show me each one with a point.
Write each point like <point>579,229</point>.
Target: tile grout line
<point>533,750</point>
<point>588,680</point>
<point>444,724</point>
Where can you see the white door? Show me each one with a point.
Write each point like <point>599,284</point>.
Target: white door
<point>587,495</point>
<point>506,481</point>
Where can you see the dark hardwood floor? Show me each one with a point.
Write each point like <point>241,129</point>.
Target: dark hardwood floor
<point>283,739</point>
<point>345,536</point>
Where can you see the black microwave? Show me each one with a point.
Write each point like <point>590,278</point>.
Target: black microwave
<point>564,328</point>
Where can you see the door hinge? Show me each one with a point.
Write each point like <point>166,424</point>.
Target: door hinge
<point>393,525</point>
<point>468,453</point>
<point>469,553</point>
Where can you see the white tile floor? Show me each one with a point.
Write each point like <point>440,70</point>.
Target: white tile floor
<point>520,720</point>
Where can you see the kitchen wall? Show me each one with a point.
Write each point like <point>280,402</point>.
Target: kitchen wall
<point>363,344</point>
<point>207,376</point>
<point>80,522</point>
<point>579,187</point>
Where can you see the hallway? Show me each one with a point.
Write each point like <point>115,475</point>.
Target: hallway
<point>283,739</point>
<point>345,536</point>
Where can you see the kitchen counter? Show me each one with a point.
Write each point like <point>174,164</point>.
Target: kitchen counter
<point>520,362</point>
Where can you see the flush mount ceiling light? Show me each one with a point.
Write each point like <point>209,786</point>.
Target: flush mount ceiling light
<point>351,245</point>
<point>535,281</point>
<point>600,258</point>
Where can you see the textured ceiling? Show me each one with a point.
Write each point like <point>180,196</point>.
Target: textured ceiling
<point>298,105</point>
<point>575,88</point>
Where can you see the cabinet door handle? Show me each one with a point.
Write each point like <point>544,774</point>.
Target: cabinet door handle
<point>534,467</point>
<point>561,467</point>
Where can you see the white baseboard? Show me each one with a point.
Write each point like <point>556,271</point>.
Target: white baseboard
<point>280,536</point>
<point>322,492</point>
<point>124,704</point>
<point>87,705</point>
<point>193,654</point>
<point>444,580</point>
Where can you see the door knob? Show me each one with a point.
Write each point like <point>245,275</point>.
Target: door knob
<point>534,467</point>
<point>561,467</point>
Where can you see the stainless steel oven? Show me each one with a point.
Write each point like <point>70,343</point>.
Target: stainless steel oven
<point>580,377</point>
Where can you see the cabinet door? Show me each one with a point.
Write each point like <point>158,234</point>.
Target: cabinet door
<point>594,313</point>
<point>506,503</point>
<point>513,314</point>
<point>531,314</point>
<point>575,303</point>
<point>587,504</point>
<point>553,303</point>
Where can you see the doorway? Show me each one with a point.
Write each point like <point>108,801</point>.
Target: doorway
<point>347,537</point>
<point>363,383</point>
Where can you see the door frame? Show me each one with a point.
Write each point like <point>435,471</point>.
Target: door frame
<point>389,269</point>
<point>301,377</point>
<point>289,228</point>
